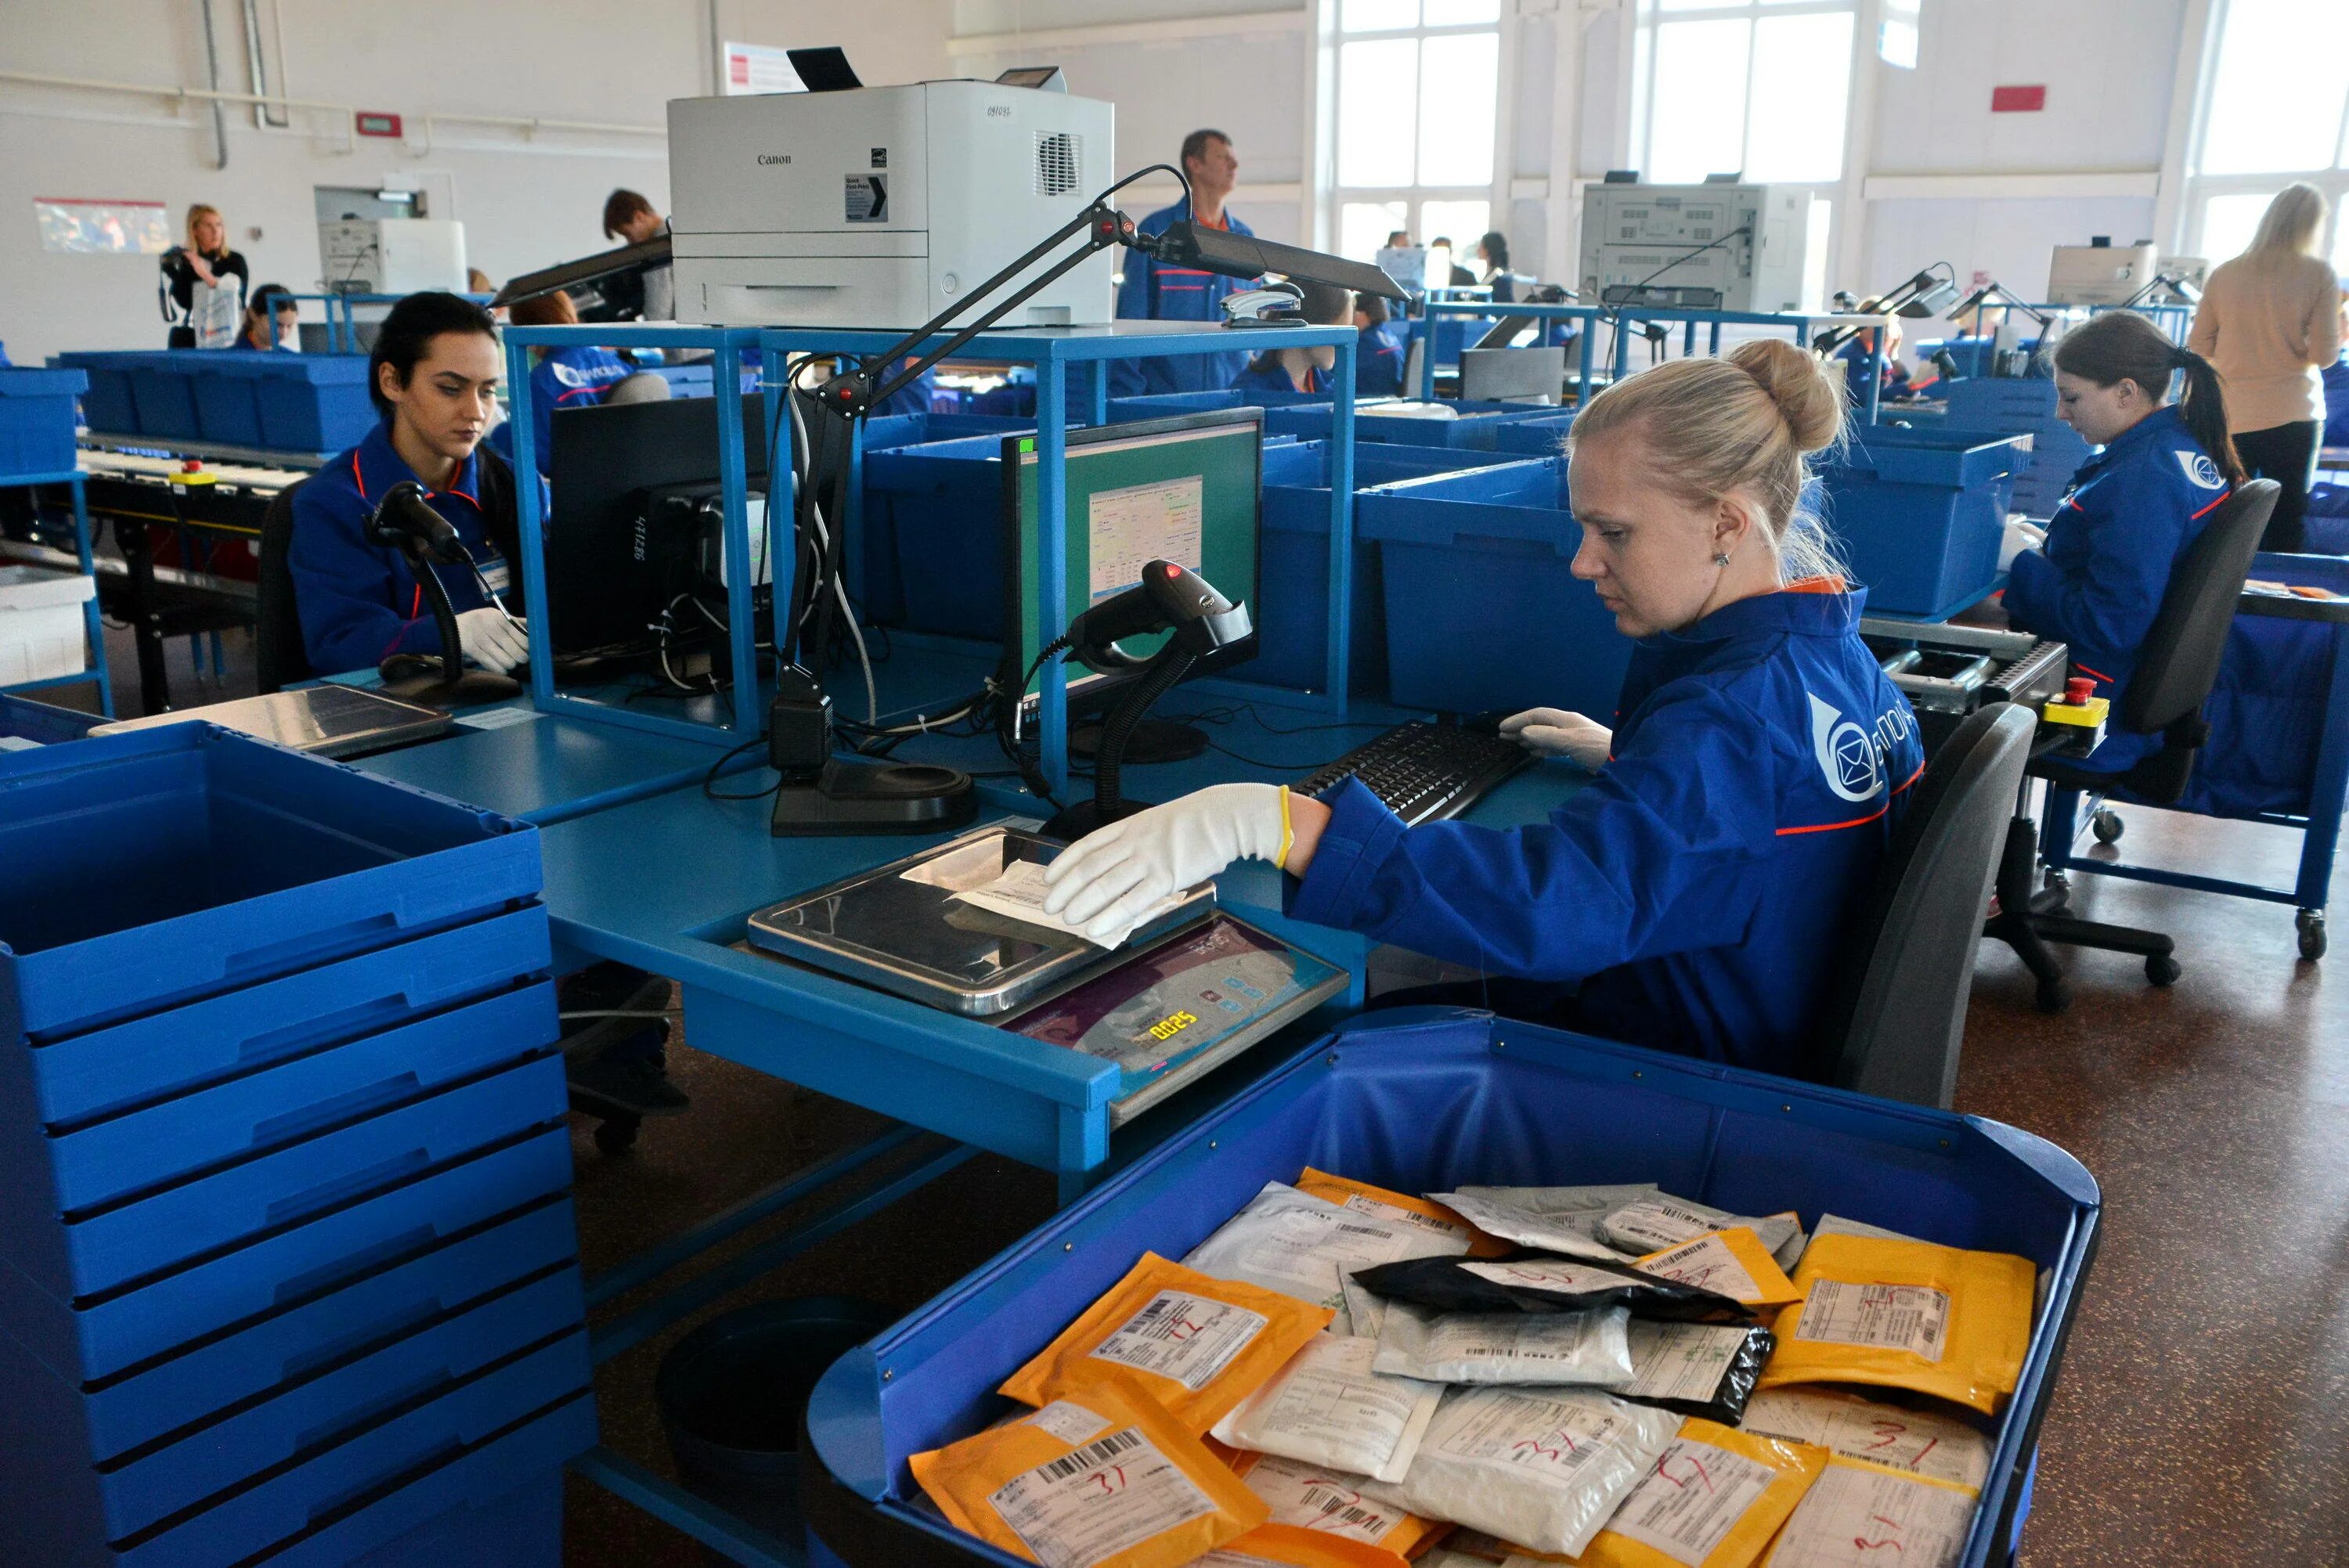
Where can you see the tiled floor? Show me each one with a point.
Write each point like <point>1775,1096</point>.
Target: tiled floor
<point>2203,1413</point>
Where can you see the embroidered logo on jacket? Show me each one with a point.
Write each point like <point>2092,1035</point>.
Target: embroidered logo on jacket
<point>1848,754</point>
<point>2200,471</point>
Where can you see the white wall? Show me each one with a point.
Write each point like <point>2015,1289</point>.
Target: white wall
<point>525,202</point>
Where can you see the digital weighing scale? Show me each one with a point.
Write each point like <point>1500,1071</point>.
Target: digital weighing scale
<point>334,721</point>
<point>1189,990</point>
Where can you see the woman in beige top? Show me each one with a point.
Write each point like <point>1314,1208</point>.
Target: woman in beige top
<point>2270,321</point>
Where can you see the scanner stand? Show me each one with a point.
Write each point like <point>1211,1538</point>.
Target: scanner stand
<point>454,687</point>
<point>875,798</point>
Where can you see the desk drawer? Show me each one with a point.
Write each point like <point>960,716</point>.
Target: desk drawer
<point>101,1336</point>
<point>114,1248</point>
<point>104,1161</point>
<point>129,1411</point>
<point>110,1070</point>
<point>213,1458</point>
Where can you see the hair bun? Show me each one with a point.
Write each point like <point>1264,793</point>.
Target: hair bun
<point>1808,394</point>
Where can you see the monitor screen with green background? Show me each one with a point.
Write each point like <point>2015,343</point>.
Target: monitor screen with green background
<point>1186,489</point>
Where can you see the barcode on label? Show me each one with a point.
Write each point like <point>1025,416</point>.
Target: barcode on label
<point>1090,1455</point>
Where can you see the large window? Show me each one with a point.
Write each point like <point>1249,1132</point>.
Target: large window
<point>2276,109</point>
<point>1418,90</point>
<point>1755,88</point>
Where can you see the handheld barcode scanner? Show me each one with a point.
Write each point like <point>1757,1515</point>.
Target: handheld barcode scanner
<point>403,521</point>
<point>1169,598</point>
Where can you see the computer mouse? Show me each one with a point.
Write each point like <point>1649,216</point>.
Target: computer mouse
<point>407,667</point>
<point>1488,722</point>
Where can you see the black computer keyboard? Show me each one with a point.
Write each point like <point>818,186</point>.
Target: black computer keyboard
<point>1423,771</point>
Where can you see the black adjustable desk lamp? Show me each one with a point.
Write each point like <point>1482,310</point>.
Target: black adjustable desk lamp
<point>1919,296</point>
<point>404,521</point>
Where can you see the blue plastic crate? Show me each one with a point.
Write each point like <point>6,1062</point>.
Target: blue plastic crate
<point>1477,426</point>
<point>1540,436</point>
<point>1483,609</point>
<point>25,722</point>
<point>115,1246</point>
<point>522,1528</point>
<point>260,1359</point>
<point>164,392</point>
<point>687,380</point>
<point>2010,406</point>
<point>936,510</point>
<point>92,1163</point>
<point>141,1488</point>
<point>99,1337</point>
<point>146,870</point>
<point>314,402</point>
<point>49,1519</point>
<point>227,388</point>
<point>1293,593</point>
<point>107,404</point>
<point>1918,515</point>
<point>37,420</point>
<point>1422,1102</point>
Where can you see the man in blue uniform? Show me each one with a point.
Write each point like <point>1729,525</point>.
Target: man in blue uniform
<point>1154,291</point>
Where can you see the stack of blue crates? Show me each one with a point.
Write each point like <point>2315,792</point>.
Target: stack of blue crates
<point>288,1270</point>
<point>2015,406</point>
<point>1919,514</point>
<point>37,420</point>
<point>308,403</point>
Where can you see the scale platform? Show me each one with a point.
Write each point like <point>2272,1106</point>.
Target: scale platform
<point>1190,990</point>
<point>334,721</point>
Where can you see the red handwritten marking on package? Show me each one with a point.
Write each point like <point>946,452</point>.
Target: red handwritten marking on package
<point>1181,1328</point>
<point>1923,1451</point>
<point>1694,1464</point>
<point>1110,1488</point>
<point>1864,1544</point>
<point>1888,1432</point>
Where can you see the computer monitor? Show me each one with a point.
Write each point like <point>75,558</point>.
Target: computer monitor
<point>1188,489</point>
<point>629,529</point>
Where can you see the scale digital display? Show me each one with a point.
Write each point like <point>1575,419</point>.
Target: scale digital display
<point>1211,993</point>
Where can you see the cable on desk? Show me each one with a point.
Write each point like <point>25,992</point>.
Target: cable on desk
<point>710,780</point>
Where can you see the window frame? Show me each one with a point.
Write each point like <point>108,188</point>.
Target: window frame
<point>1415,197</point>
<point>2200,188</point>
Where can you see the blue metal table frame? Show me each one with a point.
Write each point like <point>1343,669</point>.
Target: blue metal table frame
<point>342,316</point>
<point>1432,306</point>
<point>93,627</point>
<point>2320,828</point>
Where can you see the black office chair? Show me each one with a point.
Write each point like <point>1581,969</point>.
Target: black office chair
<point>278,656</point>
<point>1895,1026</point>
<point>2173,679</point>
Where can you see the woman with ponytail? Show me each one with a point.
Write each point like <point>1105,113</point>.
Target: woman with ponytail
<point>2096,580</point>
<point>1693,896</point>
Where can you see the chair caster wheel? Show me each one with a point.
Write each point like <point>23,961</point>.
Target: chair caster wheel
<point>2107,826</point>
<point>2162,970</point>
<point>618,1135</point>
<point>2054,995</point>
<point>2311,923</point>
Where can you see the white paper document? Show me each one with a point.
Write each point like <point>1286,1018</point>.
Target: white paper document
<point>1018,895</point>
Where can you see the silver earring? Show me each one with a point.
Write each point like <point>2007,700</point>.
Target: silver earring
<point>1721,560</point>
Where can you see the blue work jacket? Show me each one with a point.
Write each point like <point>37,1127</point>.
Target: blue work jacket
<point>2336,403</point>
<point>1700,886</point>
<point>1268,375</point>
<point>358,602</point>
<point>1379,360</point>
<point>574,377</point>
<point>2133,509</point>
<point>1152,291</point>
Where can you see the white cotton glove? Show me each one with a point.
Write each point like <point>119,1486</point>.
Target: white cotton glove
<point>2020,536</point>
<point>1553,732</point>
<point>1107,879</point>
<point>491,641</point>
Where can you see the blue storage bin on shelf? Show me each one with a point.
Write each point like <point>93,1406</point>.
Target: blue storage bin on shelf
<point>893,431</point>
<point>522,1528</point>
<point>314,402</point>
<point>1918,515</point>
<point>164,392</point>
<point>146,870</point>
<point>227,386</point>
<point>37,420</point>
<point>2012,406</point>
<point>934,523</point>
<point>1422,1102</point>
<point>106,405</point>
<point>1535,435</point>
<point>687,380</point>
<point>1483,610</point>
<point>1293,590</point>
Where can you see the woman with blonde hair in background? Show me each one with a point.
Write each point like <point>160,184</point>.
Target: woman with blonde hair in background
<point>1694,894</point>
<point>205,259</point>
<point>2270,321</point>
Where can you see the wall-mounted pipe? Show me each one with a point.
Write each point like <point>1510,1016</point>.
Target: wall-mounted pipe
<point>212,68</point>
<point>527,125</point>
<point>256,64</point>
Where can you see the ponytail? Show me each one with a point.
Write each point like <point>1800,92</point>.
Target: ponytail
<point>2122,346</point>
<point>2202,403</point>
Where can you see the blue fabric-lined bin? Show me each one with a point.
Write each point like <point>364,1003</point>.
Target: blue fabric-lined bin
<point>106,405</point>
<point>314,402</point>
<point>1422,1102</point>
<point>164,392</point>
<point>1918,515</point>
<point>37,420</point>
<point>1483,610</point>
<point>1293,590</point>
<point>227,387</point>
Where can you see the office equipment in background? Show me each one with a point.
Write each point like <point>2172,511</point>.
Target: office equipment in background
<point>334,721</point>
<point>1520,375</point>
<point>880,206</point>
<point>2100,273</point>
<point>1422,772</point>
<point>579,278</point>
<point>635,523</point>
<point>391,256</point>
<point>1187,490</point>
<point>1749,242</point>
<point>1407,264</point>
